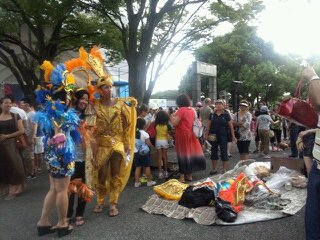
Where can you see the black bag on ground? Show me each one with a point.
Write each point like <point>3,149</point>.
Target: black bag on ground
<point>225,211</point>
<point>194,197</point>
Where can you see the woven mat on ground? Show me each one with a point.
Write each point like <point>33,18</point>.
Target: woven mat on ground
<point>207,215</point>
<point>249,214</point>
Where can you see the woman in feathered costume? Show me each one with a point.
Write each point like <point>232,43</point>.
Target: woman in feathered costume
<point>58,121</point>
<point>81,178</point>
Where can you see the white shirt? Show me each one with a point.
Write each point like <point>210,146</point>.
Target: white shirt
<point>143,136</point>
<point>19,111</point>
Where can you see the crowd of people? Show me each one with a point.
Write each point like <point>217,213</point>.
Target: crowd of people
<point>92,143</point>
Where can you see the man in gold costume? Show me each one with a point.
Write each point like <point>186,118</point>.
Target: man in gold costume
<point>115,136</point>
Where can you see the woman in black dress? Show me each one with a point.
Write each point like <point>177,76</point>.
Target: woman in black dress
<point>11,165</point>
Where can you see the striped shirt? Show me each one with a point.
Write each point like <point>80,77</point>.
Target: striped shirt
<point>316,147</point>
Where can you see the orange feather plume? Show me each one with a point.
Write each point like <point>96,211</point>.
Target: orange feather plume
<point>47,67</point>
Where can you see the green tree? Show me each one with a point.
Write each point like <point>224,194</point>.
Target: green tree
<point>241,56</point>
<point>153,31</point>
<point>38,30</point>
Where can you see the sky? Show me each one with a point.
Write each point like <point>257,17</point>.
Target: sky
<point>291,25</point>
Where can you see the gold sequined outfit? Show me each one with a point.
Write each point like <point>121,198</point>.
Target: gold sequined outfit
<point>115,129</point>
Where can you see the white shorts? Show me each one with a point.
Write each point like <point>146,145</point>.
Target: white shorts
<point>162,144</point>
<point>38,145</point>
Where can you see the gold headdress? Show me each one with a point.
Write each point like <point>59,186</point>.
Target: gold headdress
<point>95,60</point>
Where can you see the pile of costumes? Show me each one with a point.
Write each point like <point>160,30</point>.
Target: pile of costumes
<point>248,187</point>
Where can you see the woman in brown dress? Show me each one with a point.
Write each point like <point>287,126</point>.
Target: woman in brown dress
<point>11,165</point>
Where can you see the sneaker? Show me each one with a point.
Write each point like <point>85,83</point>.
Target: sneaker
<point>143,179</point>
<point>137,184</point>
<point>166,174</point>
<point>151,183</point>
<point>161,176</point>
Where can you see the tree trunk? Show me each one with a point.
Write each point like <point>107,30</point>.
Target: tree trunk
<point>137,79</point>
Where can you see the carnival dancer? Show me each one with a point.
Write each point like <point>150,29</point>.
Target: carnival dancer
<point>60,124</point>
<point>78,179</point>
<point>115,138</point>
<point>116,120</point>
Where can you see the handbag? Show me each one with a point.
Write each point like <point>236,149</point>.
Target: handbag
<point>236,130</point>
<point>212,137</point>
<point>197,127</point>
<point>21,140</point>
<point>297,110</point>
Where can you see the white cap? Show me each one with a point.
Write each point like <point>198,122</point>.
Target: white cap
<point>153,106</point>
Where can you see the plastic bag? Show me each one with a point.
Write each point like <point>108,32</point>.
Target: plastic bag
<point>278,179</point>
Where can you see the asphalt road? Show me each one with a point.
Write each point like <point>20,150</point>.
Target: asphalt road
<point>18,218</point>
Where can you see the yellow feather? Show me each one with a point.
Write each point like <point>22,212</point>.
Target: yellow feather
<point>47,67</point>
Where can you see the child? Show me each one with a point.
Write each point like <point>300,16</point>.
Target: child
<point>142,160</point>
<point>162,136</point>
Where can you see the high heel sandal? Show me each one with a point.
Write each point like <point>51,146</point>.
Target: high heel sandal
<point>44,230</point>
<point>63,231</point>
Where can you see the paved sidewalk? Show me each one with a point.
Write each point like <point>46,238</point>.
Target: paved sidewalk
<point>18,217</point>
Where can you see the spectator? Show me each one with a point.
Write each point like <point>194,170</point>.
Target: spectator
<point>150,119</point>
<point>28,153</point>
<point>11,166</point>
<point>217,134</point>
<point>276,128</point>
<point>162,142</point>
<point>263,125</point>
<point>312,211</point>
<point>205,112</point>
<point>189,151</point>
<point>241,121</point>
<point>142,160</point>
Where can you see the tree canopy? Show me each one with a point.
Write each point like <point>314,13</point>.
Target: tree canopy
<point>38,30</point>
<point>249,66</point>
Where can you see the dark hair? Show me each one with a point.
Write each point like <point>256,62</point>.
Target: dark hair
<point>183,100</point>
<point>140,125</point>
<point>26,100</point>
<point>4,98</point>
<point>7,97</point>
<point>162,118</point>
<point>143,108</point>
<point>78,95</point>
<point>61,95</point>
<point>170,110</point>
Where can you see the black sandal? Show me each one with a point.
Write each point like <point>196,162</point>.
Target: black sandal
<point>44,230</point>
<point>63,231</point>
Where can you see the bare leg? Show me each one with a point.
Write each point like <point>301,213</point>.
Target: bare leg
<point>48,204</point>
<point>61,187</point>
<point>244,156</point>
<point>214,165</point>
<point>148,174</point>
<point>165,159</point>
<point>137,174</point>
<point>225,166</point>
<point>160,157</point>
